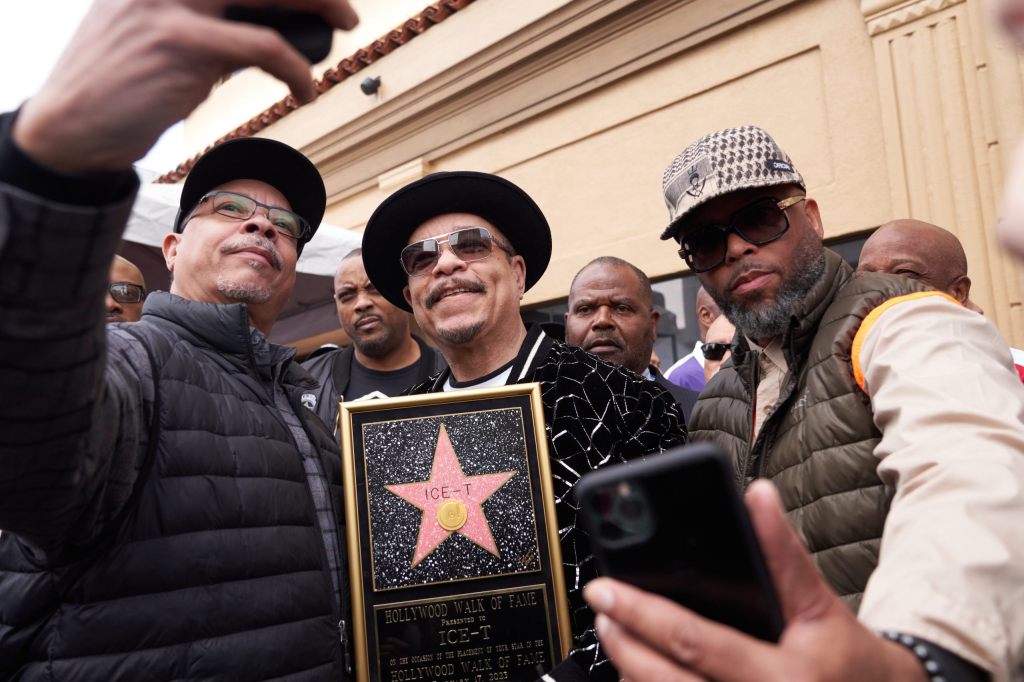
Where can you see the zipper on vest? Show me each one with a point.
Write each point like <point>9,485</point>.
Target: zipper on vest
<point>748,458</point>
<point>343,638</point>
<point>337,605</point>
<point>766,436</point>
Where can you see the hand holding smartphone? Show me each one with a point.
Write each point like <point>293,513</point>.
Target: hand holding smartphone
<point>673,524</point>
<point>308,33</point>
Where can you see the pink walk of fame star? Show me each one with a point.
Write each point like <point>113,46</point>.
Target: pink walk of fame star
<point>447,482</point>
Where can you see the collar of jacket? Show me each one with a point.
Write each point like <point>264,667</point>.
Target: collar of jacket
<point>533,351</point>
<point>806,315</point>
<point>225,328</point>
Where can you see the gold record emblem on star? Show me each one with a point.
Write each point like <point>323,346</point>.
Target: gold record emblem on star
<point>452,515</point>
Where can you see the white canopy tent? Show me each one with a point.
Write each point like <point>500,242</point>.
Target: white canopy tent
<point>310,310</point>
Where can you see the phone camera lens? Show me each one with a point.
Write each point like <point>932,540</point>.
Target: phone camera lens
<point>631,508</point>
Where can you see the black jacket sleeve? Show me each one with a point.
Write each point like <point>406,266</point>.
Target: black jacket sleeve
<point>70,421</point>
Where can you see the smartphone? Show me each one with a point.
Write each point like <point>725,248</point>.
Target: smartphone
<point>674,524</point>
<point>308,33</point>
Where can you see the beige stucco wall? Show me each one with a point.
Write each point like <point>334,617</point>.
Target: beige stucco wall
<point>250,91</point>
<point>889,108</point>
<point>596,164</point>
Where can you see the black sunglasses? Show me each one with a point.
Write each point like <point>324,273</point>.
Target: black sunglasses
<point>468,244</point>
<point>124,292</point>
<point>759,223</point>
<point>715,351</point>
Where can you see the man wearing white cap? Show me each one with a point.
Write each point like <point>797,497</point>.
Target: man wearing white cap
<point>889,419</point>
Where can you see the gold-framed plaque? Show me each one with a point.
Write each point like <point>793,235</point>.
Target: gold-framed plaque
<point>454,560</point>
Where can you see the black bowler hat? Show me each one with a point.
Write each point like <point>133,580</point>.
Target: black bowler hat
<point>495,199</point>
<point>256,158</point>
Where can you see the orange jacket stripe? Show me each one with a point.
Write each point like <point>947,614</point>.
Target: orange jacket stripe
<point>872,318</point>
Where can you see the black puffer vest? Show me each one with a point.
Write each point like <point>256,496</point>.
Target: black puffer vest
<point>215,569</point>
<point>817,446</point>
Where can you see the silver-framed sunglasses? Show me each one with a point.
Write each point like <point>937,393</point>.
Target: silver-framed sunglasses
<point>468,244</point>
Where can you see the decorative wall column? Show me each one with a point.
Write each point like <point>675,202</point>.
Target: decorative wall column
<point>946,138</point>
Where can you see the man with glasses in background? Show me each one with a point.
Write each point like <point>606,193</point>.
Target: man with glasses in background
<point>169,508</point>
<point>688,371</point>
<point>718,346</point>
<point>125,292</point>
<point>889,419</point>
<point>458,250</point>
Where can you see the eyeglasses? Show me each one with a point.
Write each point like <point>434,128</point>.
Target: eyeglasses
<point>468,244</point>
<point>124,292</point>
<point>241,207</point>
<point>715,351</point>
<point>760,223</point>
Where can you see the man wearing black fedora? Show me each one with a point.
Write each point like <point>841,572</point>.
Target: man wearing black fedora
<point>458,250</point>
<point>168,507</point>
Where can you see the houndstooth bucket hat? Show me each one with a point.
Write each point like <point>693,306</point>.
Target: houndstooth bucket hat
<point>720,163</point>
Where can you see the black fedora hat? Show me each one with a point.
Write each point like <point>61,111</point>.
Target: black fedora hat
<point>495,199</point>
<point>256,158</point>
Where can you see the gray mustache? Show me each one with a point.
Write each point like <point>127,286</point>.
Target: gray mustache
<point>257,241</point>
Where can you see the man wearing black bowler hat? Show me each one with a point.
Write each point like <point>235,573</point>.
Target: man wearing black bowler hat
<point>169,508</point>
<point>458,250</point>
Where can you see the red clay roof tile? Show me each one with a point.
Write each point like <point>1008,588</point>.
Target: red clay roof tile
<point>409,29</point>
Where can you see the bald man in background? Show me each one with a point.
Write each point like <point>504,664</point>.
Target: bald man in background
<point>929,254</point>
<point>688,372</point>
<point>920,251</point>
<point>718,345</point>
<point>126,291</point>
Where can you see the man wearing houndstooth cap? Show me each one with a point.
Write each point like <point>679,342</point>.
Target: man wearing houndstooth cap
<point>720,163</point>
<point>728,168</point>
<point>885,414</point>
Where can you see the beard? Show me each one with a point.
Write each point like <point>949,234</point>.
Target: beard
<point>467,332</point>
<point>768,319</point>
<point>243,292</point>
<point>460,335</point>
<point>375,346</point>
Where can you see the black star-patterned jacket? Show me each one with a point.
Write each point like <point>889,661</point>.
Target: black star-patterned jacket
<point>596,414</point>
